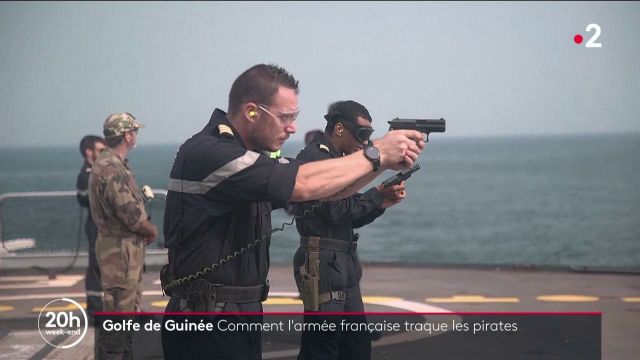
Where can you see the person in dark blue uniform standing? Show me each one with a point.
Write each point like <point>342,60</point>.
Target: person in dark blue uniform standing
<point>90,147</point>
<point>326,265</point>
<point>222,189</point>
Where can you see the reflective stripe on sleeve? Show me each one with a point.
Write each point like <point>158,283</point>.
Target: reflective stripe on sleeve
<point>219,175</point>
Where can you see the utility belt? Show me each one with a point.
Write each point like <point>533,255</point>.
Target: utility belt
<point>331,244</point>
<point>310,270</point>
<point>201,295</point>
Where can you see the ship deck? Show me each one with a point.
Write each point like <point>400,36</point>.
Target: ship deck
<point>386,288</point>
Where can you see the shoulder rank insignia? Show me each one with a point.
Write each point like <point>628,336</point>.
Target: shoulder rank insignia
<point>324,148</point>
<point>225,130</point>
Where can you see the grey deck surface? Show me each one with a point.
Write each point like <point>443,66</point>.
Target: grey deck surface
<point>386,288</point>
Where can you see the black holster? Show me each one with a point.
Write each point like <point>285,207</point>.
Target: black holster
<point>200,295</point>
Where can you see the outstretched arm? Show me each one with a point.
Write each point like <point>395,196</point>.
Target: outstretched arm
<point>336,179</point>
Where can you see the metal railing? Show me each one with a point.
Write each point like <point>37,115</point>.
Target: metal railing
<point>46,230</point>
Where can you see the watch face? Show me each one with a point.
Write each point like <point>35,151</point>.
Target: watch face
<point>372,152</point>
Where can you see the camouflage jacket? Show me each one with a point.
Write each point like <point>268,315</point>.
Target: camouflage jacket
<point>116,204</point>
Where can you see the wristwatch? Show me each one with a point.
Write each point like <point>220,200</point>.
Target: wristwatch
<point>372,154</point>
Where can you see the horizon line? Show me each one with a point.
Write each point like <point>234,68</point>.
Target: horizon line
<point>440,138</point>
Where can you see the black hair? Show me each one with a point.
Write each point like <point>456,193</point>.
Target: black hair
<point>345,111</point>
<point>259,84</point>
<point>89,142</point>
<point>308,137</point>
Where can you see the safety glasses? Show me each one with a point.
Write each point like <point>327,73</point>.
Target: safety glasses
<point>285,118</point>
<point>361,133</point>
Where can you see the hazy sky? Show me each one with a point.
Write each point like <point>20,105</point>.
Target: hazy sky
<point>488,68</point>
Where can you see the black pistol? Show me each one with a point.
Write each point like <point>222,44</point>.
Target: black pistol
<point>425,126</point>
<point>401,176</point>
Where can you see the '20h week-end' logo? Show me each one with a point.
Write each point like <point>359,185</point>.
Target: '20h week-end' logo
<point>59,322</point>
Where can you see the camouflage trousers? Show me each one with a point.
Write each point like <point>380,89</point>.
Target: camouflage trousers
<point>121,262</point>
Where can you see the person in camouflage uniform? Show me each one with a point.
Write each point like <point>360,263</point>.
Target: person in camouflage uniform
<point>124,229</point>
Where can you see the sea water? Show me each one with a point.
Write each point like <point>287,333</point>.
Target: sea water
<point>541,200</point>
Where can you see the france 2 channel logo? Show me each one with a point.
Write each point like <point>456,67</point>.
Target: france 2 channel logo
<point>592,42</point>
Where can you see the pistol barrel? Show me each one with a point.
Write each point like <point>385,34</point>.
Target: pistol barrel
<point>422,125</point>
